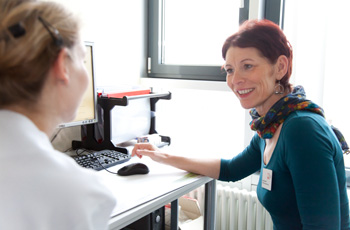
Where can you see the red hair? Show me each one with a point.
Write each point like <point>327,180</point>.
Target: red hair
<point>268,38</point>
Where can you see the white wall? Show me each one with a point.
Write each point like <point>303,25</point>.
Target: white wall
<point>117,27</point>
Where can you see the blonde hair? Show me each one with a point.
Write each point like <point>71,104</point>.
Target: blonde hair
<point>26,59</point>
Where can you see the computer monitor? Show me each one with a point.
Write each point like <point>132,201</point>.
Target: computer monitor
<point>87,111</point>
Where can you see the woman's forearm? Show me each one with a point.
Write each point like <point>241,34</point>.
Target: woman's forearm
<point>203,166</point>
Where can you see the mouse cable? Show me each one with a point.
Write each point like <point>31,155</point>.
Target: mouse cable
<point>104,166</point>
<point>93,153</point>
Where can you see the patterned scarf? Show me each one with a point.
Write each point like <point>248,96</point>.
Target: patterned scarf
<point>267,125</point>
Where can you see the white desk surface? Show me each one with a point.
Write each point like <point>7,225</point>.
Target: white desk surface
<point>138,195</point>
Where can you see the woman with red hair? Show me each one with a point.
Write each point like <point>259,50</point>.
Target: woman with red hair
<point>300,157</point>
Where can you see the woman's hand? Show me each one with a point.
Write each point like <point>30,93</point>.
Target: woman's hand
<point>147,149</point>
<point>207,167</point>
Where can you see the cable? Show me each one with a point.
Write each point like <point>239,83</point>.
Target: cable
<point>102,165</point>
<point>67,150</point>
<point>95,157</point>
<point>83,150</point>
<point>54,137</point>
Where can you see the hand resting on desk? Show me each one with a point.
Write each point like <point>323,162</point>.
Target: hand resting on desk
<point>206,167</point>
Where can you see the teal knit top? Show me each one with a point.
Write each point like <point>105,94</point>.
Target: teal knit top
<point>308,188</point>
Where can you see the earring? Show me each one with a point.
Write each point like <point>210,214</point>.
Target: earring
<point>279,89</point>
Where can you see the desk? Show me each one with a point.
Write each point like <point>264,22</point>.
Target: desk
<point>139,195</point>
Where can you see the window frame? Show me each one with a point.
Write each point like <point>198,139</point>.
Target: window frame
<point>155,68</point>
<point>274,11</point>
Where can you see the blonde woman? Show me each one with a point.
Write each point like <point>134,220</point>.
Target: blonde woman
<point>42,80</point>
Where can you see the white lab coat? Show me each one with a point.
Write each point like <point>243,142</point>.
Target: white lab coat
<point>44,189</point>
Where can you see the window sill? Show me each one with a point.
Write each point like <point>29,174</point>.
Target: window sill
<point>167,84</point>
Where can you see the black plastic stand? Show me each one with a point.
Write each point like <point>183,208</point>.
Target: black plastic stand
<point>107,104</point>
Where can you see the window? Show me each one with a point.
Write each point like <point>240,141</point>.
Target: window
<point>320,44</point>
<point>186,36</point>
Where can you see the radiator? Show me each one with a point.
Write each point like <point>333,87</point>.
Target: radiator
<point>237,209</point>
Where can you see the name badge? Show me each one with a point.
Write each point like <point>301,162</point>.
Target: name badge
<point>266,181</point>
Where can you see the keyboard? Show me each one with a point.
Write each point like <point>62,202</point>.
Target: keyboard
<point>101,159</point>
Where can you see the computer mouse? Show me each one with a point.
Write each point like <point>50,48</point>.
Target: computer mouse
<point>133,169</point>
